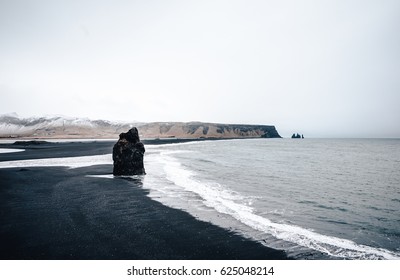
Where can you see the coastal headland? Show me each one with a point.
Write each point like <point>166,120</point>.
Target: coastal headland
<point>57,127</point>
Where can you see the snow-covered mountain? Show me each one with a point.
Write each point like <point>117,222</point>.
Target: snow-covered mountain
<point>11,125</point>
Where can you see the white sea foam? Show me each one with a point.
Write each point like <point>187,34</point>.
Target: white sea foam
<point>3,151</point>
<point>111,176</point>
<point>231,203</point>
<point>106,176</point>
<point>71,162</point>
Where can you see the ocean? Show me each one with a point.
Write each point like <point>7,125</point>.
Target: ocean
<point>314,198</point>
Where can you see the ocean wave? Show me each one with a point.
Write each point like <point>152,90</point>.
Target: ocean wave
<point>3,151</point>
<point>232,203</point>
<point>71,162</point>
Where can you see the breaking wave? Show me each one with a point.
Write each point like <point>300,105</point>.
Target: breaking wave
<point>228,202</point>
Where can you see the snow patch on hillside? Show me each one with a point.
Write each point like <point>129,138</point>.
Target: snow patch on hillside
<point>13,125</point>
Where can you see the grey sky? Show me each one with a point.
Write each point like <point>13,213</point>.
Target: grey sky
<point>322,68</point>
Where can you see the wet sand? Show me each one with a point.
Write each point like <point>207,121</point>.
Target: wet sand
<point>60,213</point>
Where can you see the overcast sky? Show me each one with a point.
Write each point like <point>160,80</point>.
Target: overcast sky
<point>321,68</point>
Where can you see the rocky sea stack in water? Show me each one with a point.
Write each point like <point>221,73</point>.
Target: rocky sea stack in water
<point>128,154</point>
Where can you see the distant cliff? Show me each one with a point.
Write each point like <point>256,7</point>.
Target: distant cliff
<point>12,126</point>
<point>206,130</point>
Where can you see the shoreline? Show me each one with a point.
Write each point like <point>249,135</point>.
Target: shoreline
<point>82,147</point>
<point>60,213</point>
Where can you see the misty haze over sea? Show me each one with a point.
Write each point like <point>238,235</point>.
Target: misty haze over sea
<point>189,70</point>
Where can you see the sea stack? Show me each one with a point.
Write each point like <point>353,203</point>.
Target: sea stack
<point>128,154</point>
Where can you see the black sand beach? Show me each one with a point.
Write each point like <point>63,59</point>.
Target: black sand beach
<point>60,213</point>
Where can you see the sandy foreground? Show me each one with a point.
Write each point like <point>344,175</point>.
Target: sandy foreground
<point>61,213</point>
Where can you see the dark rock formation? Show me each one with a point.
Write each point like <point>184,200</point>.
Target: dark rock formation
<point>297,135</point>
<point>128,154</point>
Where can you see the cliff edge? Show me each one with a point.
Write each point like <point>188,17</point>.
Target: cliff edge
<point>13,126</point>
<point>207,130</point>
